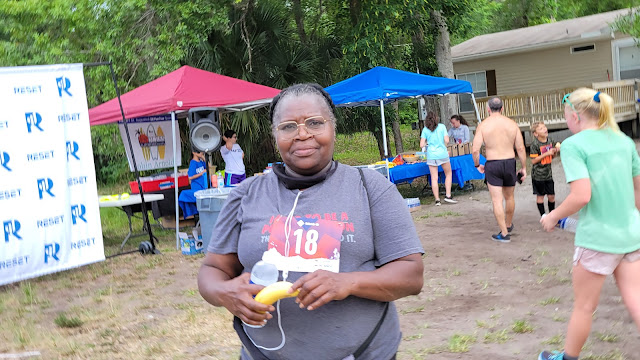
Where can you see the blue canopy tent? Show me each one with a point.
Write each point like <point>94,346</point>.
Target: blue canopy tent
<point>382,85</point>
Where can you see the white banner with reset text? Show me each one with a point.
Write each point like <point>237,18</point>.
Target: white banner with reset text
<point>48,193</point>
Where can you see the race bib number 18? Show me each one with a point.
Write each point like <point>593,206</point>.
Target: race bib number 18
<point>313,244</point>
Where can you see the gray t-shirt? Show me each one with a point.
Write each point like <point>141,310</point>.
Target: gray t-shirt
<point>369,239</point>
<point>459,135</point>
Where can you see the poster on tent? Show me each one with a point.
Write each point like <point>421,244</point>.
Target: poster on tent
<point>151,141</point>
<point>48,193</point>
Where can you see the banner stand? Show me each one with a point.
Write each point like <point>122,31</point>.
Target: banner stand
<point>146,247</point>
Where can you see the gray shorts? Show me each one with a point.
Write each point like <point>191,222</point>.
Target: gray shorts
<point>601,263</point>
<point>437,162</point>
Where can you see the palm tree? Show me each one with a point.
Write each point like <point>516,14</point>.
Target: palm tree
<point>262,46</point>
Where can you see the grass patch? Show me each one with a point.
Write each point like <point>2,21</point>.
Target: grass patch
<point>498,337</point>
<point>547,271</point>
<point>412,310</point>
<point>29,292</point>
<point>613,355</point>
<point>67,322</point>
<point>447,213</point>
<point>554,340</point>
<point>610,338</point>
<point>482,324</point>
<point>485,285</point>
<point>550,301</point>
<point>460,343</point>
<point>521,327</point>
<point>558,318</point>
<point>412,337</point>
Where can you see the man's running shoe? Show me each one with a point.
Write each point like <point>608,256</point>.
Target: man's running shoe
<point>501,238</point>
<point>449,199</point>
<point>546,355</point>
<point>438,203</point>
<point>510,229</point>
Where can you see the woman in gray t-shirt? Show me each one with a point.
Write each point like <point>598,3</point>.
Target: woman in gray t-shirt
<point>459,131</point>
<point>344,239</point>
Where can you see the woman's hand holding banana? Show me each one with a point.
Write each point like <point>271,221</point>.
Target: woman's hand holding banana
<point>320,287</point>
<point>237,297</point>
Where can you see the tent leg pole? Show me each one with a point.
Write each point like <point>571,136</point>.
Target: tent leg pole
<point>175,173</point>
<point>384,129</point>
<point>143,205</point>
<point>475,106</point>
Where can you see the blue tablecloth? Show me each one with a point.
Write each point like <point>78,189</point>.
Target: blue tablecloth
<point>462,170</point>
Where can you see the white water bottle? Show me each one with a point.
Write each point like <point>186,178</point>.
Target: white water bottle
<point>264,273</point>
<point>568,224</point>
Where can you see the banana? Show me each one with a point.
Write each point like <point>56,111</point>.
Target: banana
<point>275,292</point>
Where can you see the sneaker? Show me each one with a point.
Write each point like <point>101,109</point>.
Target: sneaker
<point>501,238</point>
<point>438,203</point>
<point>555,355</point>
<point>510,229</point>
<point>449,199</point>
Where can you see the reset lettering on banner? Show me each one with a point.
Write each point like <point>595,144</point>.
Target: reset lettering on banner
<point>48,200</point>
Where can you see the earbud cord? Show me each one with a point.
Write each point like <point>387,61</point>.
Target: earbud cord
<point>285,274</point>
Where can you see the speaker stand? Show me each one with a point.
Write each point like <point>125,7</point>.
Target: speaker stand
<point>206,169</point>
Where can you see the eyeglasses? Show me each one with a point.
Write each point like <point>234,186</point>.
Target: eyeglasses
<point>314,125</point>
<point>565,100</point>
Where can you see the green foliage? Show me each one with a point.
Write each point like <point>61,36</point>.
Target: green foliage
<point>109,155</point>
<point>268,42</point>
<point>628,24</point>
<point>478,21</point>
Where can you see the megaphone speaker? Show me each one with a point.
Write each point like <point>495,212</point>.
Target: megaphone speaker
<point>205,129</point>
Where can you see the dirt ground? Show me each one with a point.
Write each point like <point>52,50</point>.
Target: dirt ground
<point>480,299</point>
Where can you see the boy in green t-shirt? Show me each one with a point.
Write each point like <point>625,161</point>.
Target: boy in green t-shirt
<point>542,152</point>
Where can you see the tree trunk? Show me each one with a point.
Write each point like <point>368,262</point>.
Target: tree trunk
<point>445,64</point>
<point>354,11</point>
<point>297,14</point>
<point>378,135</point>
<point>389,152</point>
<point>395,125</point>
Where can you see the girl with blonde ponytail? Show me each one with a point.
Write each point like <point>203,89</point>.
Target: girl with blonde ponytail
<point>607,239</point>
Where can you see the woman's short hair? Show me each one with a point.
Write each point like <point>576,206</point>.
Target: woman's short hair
<point>299,90</point>
<point>460,119</point>
<point>432,121</point>
<point>229,134</point>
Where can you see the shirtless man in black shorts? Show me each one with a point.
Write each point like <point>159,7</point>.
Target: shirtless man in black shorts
<point>500,136</point>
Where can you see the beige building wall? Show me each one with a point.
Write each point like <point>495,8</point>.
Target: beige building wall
<point>542,70</point>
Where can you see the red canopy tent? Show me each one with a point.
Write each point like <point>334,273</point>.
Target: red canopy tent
<point>179,91</point>
<point>182,90</point>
